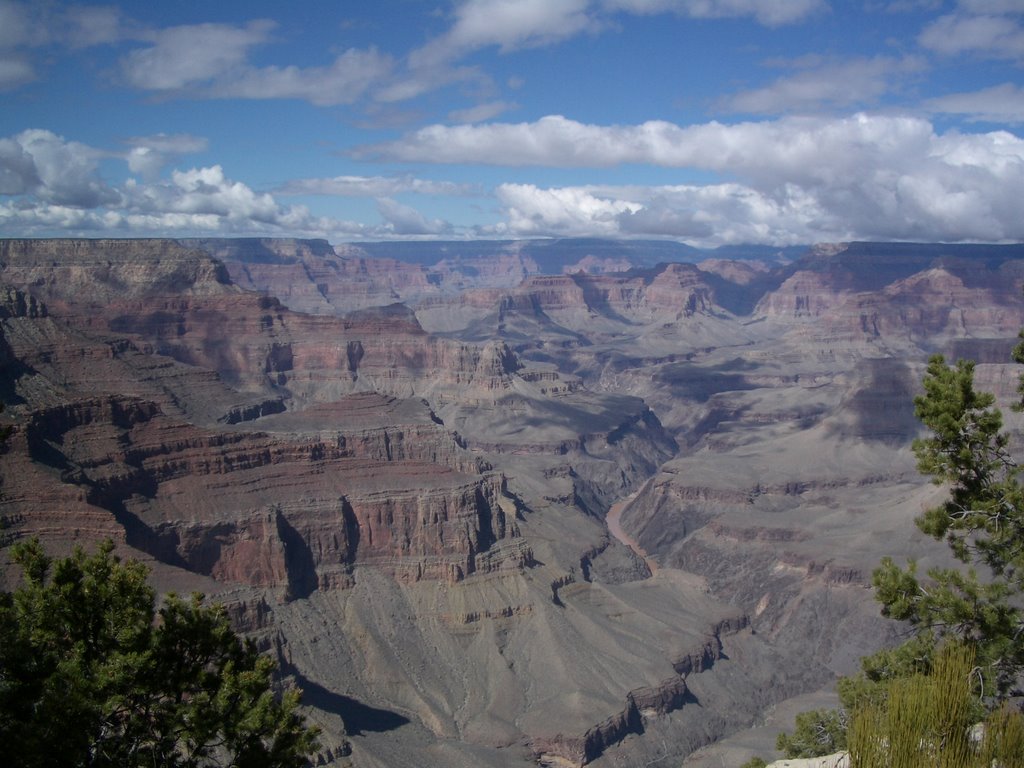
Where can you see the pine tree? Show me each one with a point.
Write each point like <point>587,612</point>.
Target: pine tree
<point>982,521</point>
<point>91,674</point>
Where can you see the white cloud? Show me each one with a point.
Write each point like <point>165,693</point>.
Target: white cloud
<point>374,186</point>
<point>404,220</point>
<point>20,26</point>
<point>1001,104</point>
<point>149,154</point>
<point>790,145</point>
<point>986,35</point>
<point>209,191</point>
<point>199,200</point>
<point>52,188</point>
<point>553,140</point>
<point>992,6</point>
<point>532,211</point>
<point>508,24</point>
<point>26,27</point>
<point>771,13</point>
<point>40,163</point>
<point>349,77</point>
<point>796,178</point>
<point>789,180</point>
<point>212,61</point>
<point>15,71</point>
<point>185,56</point>
<point>819,84</point>
<point>94,25</point>
<point>18,175</point>
<point>516,24</point>
<point>18,31</point>
<point>706,215</point>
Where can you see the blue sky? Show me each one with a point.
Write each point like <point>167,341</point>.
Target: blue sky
<point>707,121</point>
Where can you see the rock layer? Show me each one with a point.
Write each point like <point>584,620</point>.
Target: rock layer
<point>405,503</point>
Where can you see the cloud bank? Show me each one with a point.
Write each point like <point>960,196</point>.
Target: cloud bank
<point>53,186</point>
<point>793,180</point>
<point>797,179</point>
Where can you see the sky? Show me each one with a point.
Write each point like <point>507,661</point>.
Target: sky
<point>711,122</point>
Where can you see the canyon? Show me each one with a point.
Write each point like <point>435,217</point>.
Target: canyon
<point>394,463</point>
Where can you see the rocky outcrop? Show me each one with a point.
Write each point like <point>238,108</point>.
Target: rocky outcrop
<point>190,312</point>
<point>15,303</point>
<point>414,522</point>
<point>641,704</point>
<point>311,276</point>
<point>575,301</point>
<point>91,273</point>
<point>921,294</point>
<point>296,512</point>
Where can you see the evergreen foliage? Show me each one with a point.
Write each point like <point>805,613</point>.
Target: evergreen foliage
<point>818,732</point>
<point>91,674</point>
<point>982,521</point>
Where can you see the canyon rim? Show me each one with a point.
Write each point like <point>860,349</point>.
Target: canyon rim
<point>394,462</point>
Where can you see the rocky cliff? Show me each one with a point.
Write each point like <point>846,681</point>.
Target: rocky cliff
<point>393,464</point>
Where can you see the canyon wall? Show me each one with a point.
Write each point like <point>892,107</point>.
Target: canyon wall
<point>393,463</point>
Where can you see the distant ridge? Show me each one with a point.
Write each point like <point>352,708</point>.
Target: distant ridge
<point>553,256</point>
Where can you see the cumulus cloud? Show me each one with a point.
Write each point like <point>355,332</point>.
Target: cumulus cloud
<point>198,200</point>
<point>51,186</point>
<point>821,84</point>
<point>797,178</point>
<point>706,215</point>
<point>402,219</point>
<point>208,192</point>
<point>532,211</point>
<point>40,163</point>
<point>794,148</point>
<point>150,154</point>
<point>18,175</point>
<point>783,181</point>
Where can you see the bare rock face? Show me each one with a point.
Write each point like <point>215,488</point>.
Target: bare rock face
<point>393,463</point>
<point>93,272</point>
<point>121,423</point>
<point>292,510</point>
<point>923,295</point>
<point>579,308</point>
<point>311,276</point>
